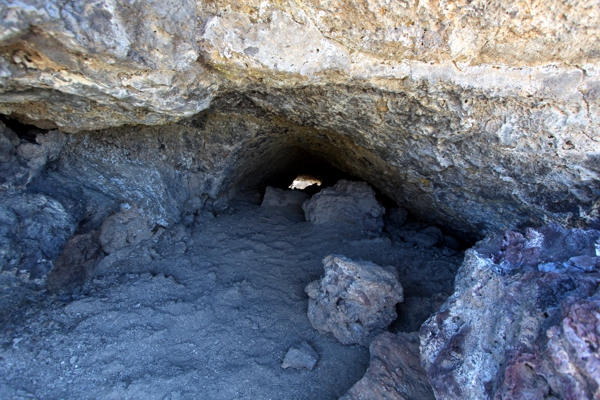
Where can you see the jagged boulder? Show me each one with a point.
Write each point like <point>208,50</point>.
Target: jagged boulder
<point>354,300</point>
<point>347,202</point>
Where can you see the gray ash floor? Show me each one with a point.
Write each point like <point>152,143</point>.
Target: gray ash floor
<point>206,312</point>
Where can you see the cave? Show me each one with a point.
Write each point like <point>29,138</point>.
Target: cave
<point>183,187</point>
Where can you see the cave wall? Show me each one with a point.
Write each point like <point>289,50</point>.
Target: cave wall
<point>476,115</point>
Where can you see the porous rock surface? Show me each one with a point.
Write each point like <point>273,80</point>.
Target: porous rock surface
<point>513,331</point>
<point>567,367</point>
<point>395,372</point>
<point>355,300</point>
<point>348,202</point>
<point>482,116</point>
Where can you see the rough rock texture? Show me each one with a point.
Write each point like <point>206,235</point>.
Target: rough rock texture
<point>300,356</point>
<point>76,263</point>
<point>354,300</point>
<point>510,330</point>
<point>395,372</point>
<point>125,228</point>
<point>275,197</point>
<point>480,116</point>
<point>348,202</point>
<point>33,231</point>
<point>566,366</point>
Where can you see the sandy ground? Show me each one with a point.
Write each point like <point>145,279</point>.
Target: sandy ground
<point>205,312</point>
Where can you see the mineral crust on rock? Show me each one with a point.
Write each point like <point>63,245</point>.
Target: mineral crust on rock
<point>355,300</point>
<point>395,372</point>
<point>512,331</point>
<point>347,202</point>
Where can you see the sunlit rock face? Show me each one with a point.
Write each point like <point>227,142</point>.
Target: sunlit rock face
<point>472,115</point>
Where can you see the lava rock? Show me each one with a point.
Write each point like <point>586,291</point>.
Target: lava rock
<point>125,228</point>
<point>47,148</point>
<point>489,339</point>
<point>569,365</point>
<point>76,263</point>
<point>354,300</point>
<point>33,231</point>
<point>275,197</point>
<point>395,372</point>
<point>348,202</point>
<point>301,356</point>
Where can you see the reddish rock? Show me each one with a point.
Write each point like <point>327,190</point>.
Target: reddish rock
<point>568,366</point>
<point>395,372</point>
<point>511,329</point>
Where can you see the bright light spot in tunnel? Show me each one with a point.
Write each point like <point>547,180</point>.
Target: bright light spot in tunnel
<point>303,181</point>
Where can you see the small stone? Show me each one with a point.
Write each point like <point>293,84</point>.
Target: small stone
<point>73,360</point>
<point>301,356</point>
<point>451,243</point>
<point>547,267</point>
<point>422,239</point>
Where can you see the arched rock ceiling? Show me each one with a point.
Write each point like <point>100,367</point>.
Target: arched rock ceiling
<point>479,114</point>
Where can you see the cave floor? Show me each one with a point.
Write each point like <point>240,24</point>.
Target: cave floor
<point>205,312</point>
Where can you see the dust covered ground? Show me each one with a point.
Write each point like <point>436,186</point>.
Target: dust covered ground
<point>209,311</point>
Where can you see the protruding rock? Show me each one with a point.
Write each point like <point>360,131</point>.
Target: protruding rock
<point>348,202</point>
<point>502,334</point>
<point>395,372</point>
<point>300,356</point>
<point>355,300</point>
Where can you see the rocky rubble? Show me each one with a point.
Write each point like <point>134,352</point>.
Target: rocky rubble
<point>511,330</point>
<point>275,197</point>
<point>354,300</point>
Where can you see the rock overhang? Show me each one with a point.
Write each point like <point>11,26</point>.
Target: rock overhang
<point>463,115</point>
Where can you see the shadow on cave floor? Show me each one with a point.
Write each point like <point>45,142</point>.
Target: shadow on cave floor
<point>209,311</point>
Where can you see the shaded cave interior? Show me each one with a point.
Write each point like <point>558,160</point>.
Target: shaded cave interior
<point>243,147</point>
